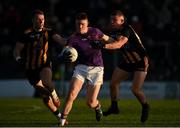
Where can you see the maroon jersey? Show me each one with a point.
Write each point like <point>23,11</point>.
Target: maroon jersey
<point>87,55</point>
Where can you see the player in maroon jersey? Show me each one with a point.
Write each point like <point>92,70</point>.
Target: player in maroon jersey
<point>89,67</point>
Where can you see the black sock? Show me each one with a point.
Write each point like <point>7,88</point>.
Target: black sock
<point>114,104</point>
<point>145,104</point>
<point>56,112</point>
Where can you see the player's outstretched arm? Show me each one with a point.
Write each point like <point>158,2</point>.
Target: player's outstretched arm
<point>59,39</point>
<point>99,44</point>
<point>116,44</point>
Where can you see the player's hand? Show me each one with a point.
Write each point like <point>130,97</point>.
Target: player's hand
<point>65,57</point>
<point>97,44</point>
<point>20,61</point>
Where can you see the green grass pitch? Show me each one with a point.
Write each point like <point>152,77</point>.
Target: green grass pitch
<point>31,112</point>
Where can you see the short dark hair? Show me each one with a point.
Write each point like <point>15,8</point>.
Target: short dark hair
<point>37,11</point>
<point>81,16</point>
<point>117,12</point>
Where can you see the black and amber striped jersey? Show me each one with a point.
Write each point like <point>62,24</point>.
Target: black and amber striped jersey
<point>132,51</point>
<point>36,47</point>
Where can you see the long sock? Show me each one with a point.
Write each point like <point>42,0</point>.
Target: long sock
<point>57,113</point>
<point>145,105</point>
<point>114,104</point>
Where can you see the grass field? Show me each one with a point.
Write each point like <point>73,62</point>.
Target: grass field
<point>32,113</point>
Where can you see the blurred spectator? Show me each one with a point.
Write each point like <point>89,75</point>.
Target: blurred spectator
<point>156,19</point>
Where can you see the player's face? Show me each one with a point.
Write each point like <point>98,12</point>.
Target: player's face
<point>38,22</point>
<point>116,21</point>
<point>82,26</point>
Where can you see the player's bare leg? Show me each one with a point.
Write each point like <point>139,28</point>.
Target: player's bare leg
<point>138,81</point>
<point>92,101</point>
<point>76,86</point>
<point>47,89</point>
<point>46,95</point>
<point>118,76</point>
<point>46,76</point>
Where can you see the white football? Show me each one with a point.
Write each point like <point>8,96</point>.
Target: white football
<point>73,52</point>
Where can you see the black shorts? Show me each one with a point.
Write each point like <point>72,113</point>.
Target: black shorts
<point>33,75</point>
<point>141,65</point>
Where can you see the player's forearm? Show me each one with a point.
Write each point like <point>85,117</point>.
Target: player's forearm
<point>17,50</point>
<point>60,40</point>
<point>17,54</point>
<point>117,43</point>
<point>114,45</point>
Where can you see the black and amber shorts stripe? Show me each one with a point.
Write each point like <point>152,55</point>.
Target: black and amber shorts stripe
<point>141,65</point>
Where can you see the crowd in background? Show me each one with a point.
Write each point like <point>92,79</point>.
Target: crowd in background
<point>156,21</point>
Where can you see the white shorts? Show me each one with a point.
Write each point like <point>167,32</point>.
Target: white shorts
<point>93,74</point>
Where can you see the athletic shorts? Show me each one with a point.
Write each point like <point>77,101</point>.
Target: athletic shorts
<point>93,74</point>
<point>142,65</point>
<point>33,75</point>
